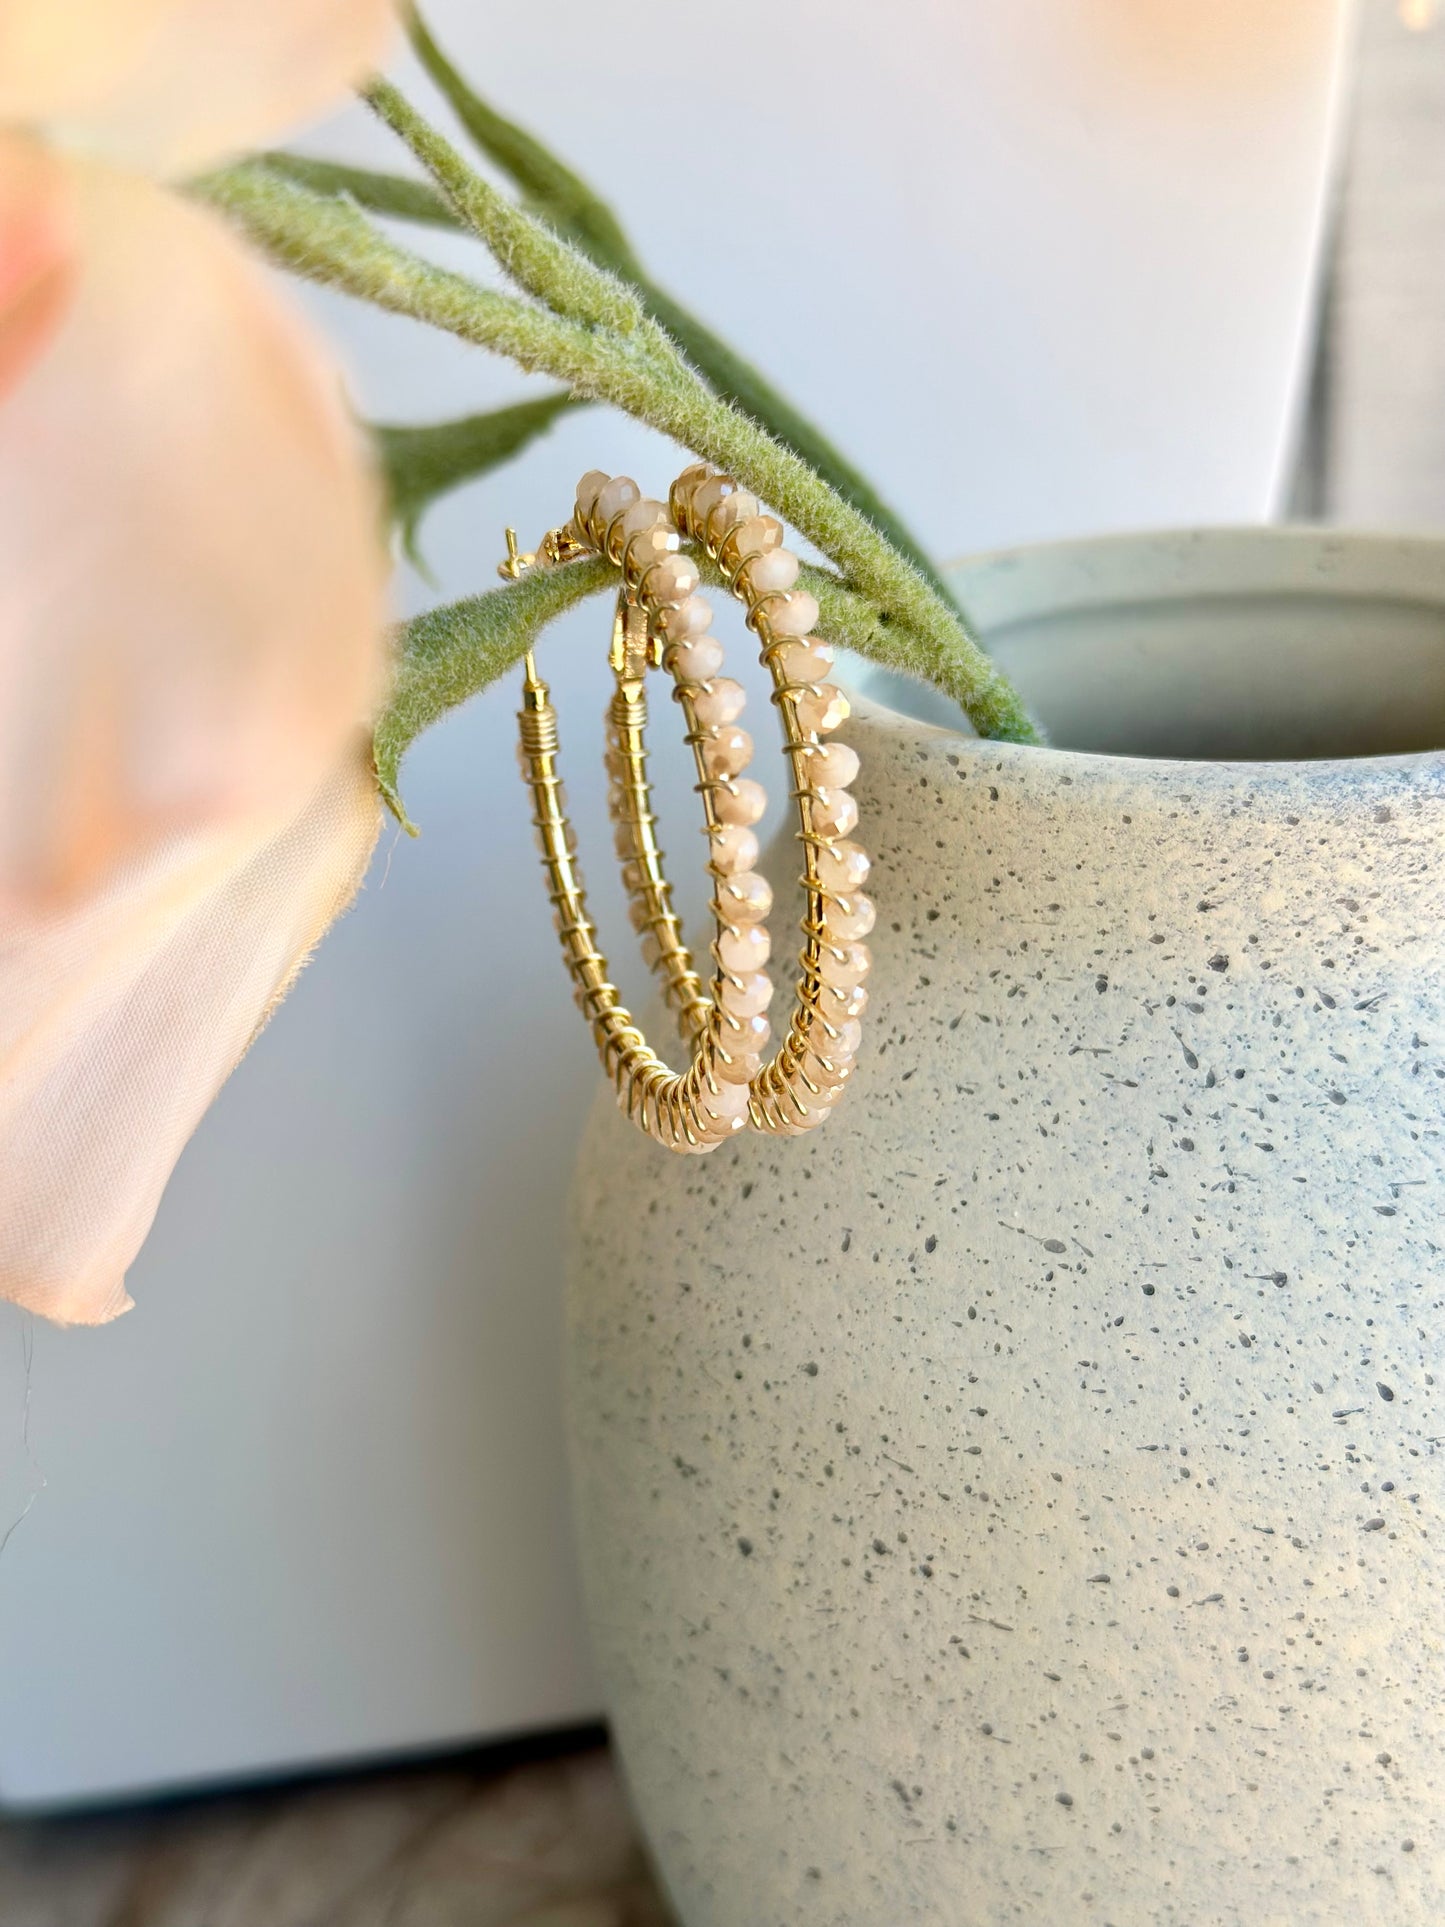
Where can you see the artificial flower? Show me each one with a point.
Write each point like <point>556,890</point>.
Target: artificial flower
<point>121,1018</point>
<point>191,576</point>
<point>192,606</point>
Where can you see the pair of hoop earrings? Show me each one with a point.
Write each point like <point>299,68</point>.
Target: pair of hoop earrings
<point>662,622</point>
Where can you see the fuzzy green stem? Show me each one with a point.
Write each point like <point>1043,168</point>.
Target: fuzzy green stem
<point>451,653</point>
<point>548,186</point>
<point>393,195</point>
<point>529,252</point>
<point>681,405</point>
<point>561,197</point>
<point>331,241</point>
<point>728,373</point>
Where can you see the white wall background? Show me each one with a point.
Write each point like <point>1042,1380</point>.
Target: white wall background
<point>1382,446</point>
<point>1041,269</point>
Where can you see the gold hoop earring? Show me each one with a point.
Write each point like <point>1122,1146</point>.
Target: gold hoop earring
<point>662,620</point>
<point>809,1073</point>
<point>657,612</point>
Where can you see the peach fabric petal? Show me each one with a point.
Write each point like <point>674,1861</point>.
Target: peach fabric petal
<point>58,57</point>
<point>121,1018</point>
<point>191,566</point>
<point>218,76</point>
<point>37,251</point>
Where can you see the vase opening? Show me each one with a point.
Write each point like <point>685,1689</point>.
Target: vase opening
<point>1264,645</point>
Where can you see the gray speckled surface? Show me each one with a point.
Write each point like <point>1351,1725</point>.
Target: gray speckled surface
<point>1021,1501</point>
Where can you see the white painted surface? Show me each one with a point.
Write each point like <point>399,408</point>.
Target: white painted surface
<point>307,1500</point>
<point>1385,370</point>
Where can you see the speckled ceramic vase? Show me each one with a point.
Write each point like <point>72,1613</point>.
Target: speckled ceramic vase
<point>1021,1501</point>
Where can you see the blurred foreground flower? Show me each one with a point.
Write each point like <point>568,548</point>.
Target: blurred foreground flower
<point>120,1020</point>
<point>192,608</point>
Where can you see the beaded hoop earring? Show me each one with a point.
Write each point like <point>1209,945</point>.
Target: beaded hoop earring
<point>661,620</point>
<point>657,610</point>
<point>808,1075</point>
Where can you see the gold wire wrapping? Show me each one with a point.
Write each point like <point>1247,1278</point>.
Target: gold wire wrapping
<point>698,1108</point>
<point>630,801</point>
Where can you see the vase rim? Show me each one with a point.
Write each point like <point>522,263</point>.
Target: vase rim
<point>1264,536</point>
<point>1299,584</point>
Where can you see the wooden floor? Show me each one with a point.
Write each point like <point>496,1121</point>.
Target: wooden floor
<point>472,1842</point>
<point>547,1842</point>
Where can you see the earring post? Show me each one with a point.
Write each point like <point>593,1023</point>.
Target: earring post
<point>514,564</point>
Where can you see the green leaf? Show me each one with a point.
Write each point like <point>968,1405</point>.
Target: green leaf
<point>390,194</point>
<point>421,463</point>
<point>456,650</point>
<point>450,653</point>
<point>330,241</point>
<point>548,186</point>
<point>737,381</point>
<point>530,252</point>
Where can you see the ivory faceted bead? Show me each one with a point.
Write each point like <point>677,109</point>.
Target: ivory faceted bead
<point>744,1039</point>
<point>707,496</point>
<point>845,964</point>
<point>842,868</point>
<point>807,661</point>
<point>746,899</point>
<point>772,573</point>
<point>726,750</point>
<point>645,547</point>
<point>740,800</point>
<point>833,766</point>
<point>828,1079</point>
<point>848,1042</point>
<point>696,660</point>
<point>748,995</point>
<point>723,1100</point>
<point>687,619</point>
<point>720,701</point>
<point>757,535</point>
<point>850,918</point>
<point>588,489</point>
<point>694,473</point>
<point>794,617</point>
<point>673,579</point>
<point>612,498</point>
<point>838,1002</point>
<point>643,514</point>
<point>734,508</point>
<point>744,948</point>
<point>823,709</point>
<point>828,1036</point>
<point>828,1063</point>
<point>834,812</point>
<point>744,1035</point>
<point>733,848</point>
<point>739,1066</point>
